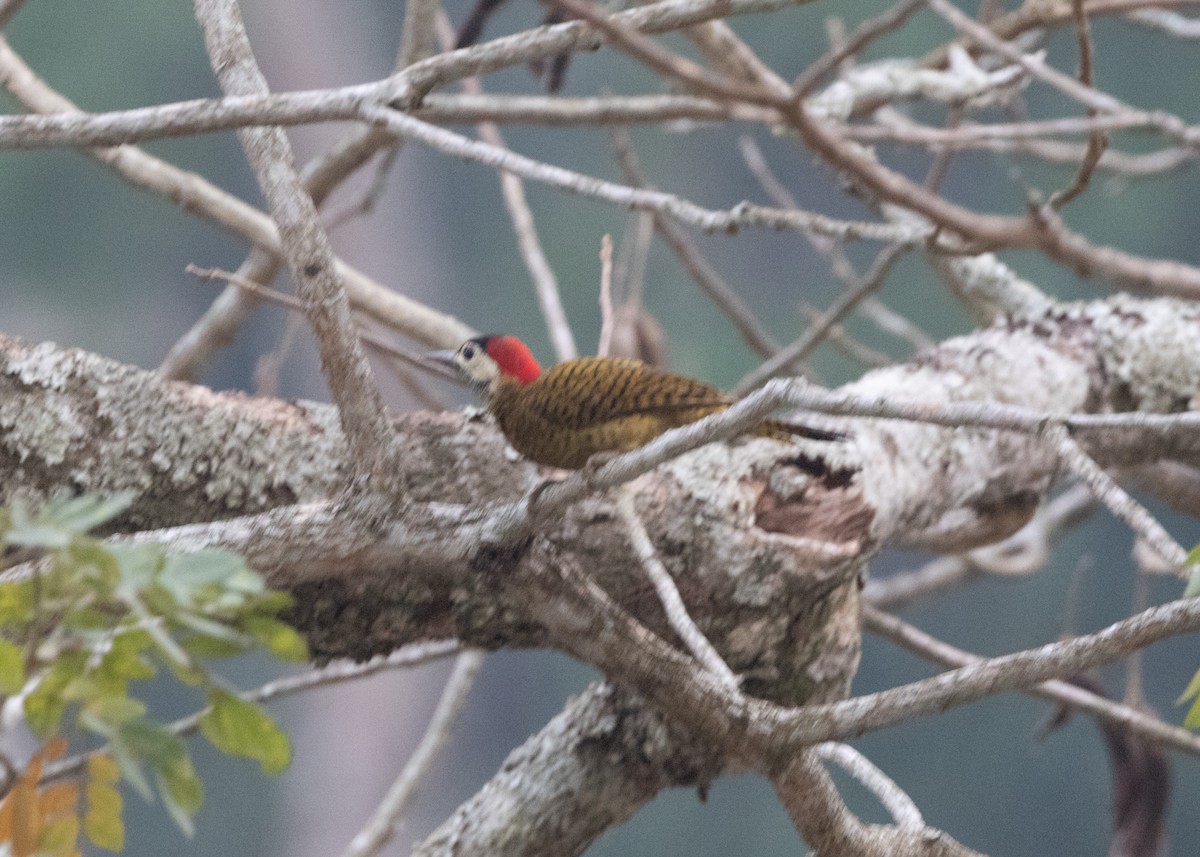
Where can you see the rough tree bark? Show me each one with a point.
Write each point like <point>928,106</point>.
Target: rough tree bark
<point>768,543</point>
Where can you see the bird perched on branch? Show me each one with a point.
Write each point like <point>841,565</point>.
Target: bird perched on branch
<point>563,416</point>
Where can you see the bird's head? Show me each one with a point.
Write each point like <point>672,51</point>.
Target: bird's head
<point>485,360</point>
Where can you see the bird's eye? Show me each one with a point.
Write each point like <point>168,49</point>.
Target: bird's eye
<point>468,352</point>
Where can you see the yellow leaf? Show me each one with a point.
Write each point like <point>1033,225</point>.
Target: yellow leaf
<point>103,822</point>
<point>59,837</point>
<point>103,769</point>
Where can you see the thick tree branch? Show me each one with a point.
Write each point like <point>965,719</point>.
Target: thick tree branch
<point>764,540</point>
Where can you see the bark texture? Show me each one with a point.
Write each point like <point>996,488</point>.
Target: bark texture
<point>767,542</point>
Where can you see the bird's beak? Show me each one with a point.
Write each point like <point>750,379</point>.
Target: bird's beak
<point>440,363</point>
<point>441,358</point>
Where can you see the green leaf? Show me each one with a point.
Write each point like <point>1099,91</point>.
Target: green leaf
<point>242,728</point>
<point>130,767</point>
<point>12,667</point>
<point>280,638</point>
<point>167,755</point>
<point>139,565</point>
<point>212,648</point>
<point>181,789</point>
<point>1193,584</point>
<point>45,704</point>
<point>84,513</point>
<point>1193,689</point>
<point>93,561</point>
<point>59,837</point>
<point>115,710</point>
<point>35,535</point>
<point>212,628</point>
<point>1192,721</point>
<point>247,581</point>
<point>126,658</point>
<point>16,602</point>
<point>183,784</point>
<point>186,574</point>
<point>272,602</point>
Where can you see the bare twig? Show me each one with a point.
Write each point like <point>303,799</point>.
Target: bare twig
<point>545,283</point>
<point>9,8</point>
<point>607,312</point>
<point>826,823</point>
<point>668,594</point>
<point>865,33</point>
<point>1024,552</point>
<point>307,249</point>
<point>914,639</point>
<point>382,826</point>
<point>411,359</point>
<point>201,198</point>
<point>898,804</point>
<point>804,345</point>
<point>1018,671</point>
<point>840,339</point>
<point>1171,23</point>
<point>215,329</point>
<point>329,675</point>
<point>743,214</point>
<point>693,261</point>
<point>1097,140</point>
<point>1119,502</point>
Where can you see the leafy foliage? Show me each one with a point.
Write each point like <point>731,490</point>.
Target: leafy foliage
<point>90,620</point>
<point>1192,692</point>
<point>1193,584</point>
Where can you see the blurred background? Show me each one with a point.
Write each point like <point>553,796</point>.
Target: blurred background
<point>88,261</point>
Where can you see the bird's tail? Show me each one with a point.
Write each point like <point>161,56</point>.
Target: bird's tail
<point>779,430</point>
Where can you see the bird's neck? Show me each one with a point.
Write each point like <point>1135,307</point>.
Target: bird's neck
<point>503,387</point>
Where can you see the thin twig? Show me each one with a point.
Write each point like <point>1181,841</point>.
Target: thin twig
<point>909,637</point>
<point>894,799</point>
<point>9,8</point>
<point>371,339</point>
<point>1019,671</point>
<point>884,318</point>
<point>1097,140</point>
<point>607,311</point>
<point>215,329</point>
<point>805,344</point>
<point>1169,22</point>
<point>865,33</point>
<point>701,270</point>
<point>407,657</point>
<point>200,197</point>
<point>545,283</point>
<point>307,249</point>
<point>382,826</point>
<point>1118,501</point>
<point>668,594</point>
<point>840,338</point>
<point>1022,553</point>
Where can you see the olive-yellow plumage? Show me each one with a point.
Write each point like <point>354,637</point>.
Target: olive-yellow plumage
<point>575,409</point>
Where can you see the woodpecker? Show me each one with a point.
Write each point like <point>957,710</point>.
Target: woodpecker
<point>563,416</point>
